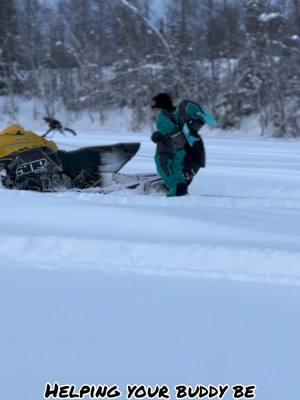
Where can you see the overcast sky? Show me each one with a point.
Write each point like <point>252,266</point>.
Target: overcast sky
<point>158,7</point>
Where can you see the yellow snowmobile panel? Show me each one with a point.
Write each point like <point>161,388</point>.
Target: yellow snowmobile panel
<point>15,139</point>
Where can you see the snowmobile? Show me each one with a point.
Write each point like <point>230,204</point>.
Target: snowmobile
<point>32,162</point>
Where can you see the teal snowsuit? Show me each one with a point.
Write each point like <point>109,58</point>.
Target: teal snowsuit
<point>170,153</point>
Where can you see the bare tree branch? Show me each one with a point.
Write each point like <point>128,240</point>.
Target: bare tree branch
<point>162,39</point>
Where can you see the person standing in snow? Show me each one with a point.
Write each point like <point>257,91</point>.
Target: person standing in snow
<point>180,150</point>
<point>170,152</point>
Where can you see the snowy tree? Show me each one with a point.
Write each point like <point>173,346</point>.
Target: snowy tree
<point>10,76</point>
<point>240,57</point>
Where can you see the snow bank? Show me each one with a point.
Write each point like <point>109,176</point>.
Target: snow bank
<point>30,113</point>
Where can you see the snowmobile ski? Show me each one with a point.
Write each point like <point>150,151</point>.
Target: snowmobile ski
<point>144,183</point>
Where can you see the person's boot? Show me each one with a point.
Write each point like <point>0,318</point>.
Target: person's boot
<point>181,189</point>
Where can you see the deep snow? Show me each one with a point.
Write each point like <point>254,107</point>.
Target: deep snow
<point>122,288</point>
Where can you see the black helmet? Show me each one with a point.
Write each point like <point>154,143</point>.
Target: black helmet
<point>162,100</point>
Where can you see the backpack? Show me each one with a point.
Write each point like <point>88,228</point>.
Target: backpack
<point>191,117</point>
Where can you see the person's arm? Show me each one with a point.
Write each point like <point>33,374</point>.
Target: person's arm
<point>165,125</point>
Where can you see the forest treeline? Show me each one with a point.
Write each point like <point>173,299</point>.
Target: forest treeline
<point>236,57</point>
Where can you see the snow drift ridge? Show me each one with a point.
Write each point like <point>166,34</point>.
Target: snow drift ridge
<point>163,259</point>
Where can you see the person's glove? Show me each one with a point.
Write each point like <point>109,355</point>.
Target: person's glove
<point>157,137</point>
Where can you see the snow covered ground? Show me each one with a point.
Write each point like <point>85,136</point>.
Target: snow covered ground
<point>126,288</point>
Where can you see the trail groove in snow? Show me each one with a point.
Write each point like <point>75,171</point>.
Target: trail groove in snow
<point>162,259</point>
<point>134,198</point>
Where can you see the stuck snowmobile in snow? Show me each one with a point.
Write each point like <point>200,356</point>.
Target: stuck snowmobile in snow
<point>32,162</point>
